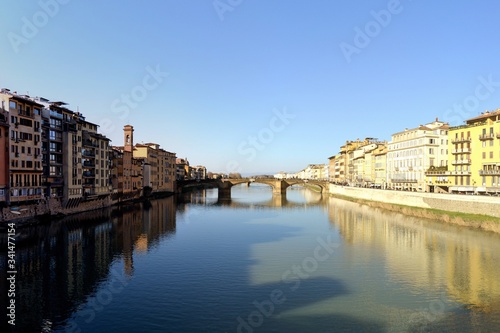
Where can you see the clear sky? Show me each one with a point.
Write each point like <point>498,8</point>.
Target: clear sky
<point>255,85</point>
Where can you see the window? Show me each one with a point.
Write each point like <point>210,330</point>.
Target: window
<point>12,105</point>
<point>491,154</point>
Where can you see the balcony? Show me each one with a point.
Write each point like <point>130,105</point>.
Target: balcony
<point>460,173</point>
<point>493,172</point>
<point>485,137</point>
<point>457,162</point>
<point>461,151</point>
<point>460,140</point>
<point>90,143</point>
<point>24,113</point>
<point>403,180</point>
<point>88,164</point>
<point>55,114</point>
<point>88,153</point>
<point>88,174</point>
<point>437,171</point>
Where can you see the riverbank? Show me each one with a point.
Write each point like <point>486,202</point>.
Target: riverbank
<point>51,208</point>
<point>471,211</point>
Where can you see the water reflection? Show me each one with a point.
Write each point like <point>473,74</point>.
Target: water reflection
<point>424,254</point>
<point>246,197</point>
<point>205,274</point>
<point>59,264</point>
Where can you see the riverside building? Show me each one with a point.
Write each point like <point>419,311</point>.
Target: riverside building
<point>414,151</point>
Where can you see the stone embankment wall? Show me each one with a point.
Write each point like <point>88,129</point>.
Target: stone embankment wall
<point>51,207</point>
<point>469,204</point>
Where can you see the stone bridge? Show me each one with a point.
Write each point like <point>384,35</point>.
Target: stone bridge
<point>278,186</point>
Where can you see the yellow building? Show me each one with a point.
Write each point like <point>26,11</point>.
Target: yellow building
<point>380,165</point>
<point>474,159</point>
<point>159,167</point>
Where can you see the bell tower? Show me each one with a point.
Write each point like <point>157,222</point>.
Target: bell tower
<point>128,138</point>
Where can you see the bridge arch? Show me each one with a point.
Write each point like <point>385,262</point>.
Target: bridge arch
<point>279,186</point>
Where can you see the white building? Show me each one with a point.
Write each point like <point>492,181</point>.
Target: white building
<point>411,153</point>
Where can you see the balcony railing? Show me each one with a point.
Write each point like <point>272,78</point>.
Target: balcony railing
<point>460,140</point>
<point>456,162</point>
<point>486,137</point>
<point>494,172</point>
<point>461,151</point>
<point>441,170</point>
<point>88,154</point>
<point>89,143</point>
<point>400,180</point>
<point>460,173</point>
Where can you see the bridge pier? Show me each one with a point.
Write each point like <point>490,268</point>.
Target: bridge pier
<point>280,187</point>
<point>224,192</point>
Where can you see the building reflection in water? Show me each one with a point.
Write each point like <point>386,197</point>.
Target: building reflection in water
<point>426,254</point>
<point>60,264</point>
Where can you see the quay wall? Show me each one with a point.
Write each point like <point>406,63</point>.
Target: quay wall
<point>469,204</point>
<point>53,207</point>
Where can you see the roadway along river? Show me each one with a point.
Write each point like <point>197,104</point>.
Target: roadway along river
<point>258,263</point>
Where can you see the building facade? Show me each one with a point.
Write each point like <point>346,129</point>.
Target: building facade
<point>159,167</point>
<point>4,155</point>
<point>414,151</point>
<point>25,162</point>
<point>474,159</point>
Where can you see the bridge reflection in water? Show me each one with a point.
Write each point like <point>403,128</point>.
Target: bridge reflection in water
<point>207,197</point>
<point>279,186</point>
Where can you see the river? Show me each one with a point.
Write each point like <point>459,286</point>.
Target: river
<point>258,263</point>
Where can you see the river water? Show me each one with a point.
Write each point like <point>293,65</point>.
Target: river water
<point>258,263</point>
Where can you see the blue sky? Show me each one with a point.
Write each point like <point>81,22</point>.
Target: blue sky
<point>255,86</point>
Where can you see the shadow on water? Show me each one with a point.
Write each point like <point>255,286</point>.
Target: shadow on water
<point>63,266</point>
